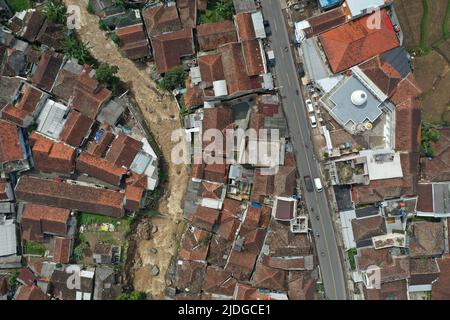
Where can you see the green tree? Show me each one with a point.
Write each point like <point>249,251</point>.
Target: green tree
<point>118,3</point>
<point>225,9</point>
<point>12,279</point>
<point>76,49</point>
<point>174,78</point>
<point>106,74</point>
<point>55,11</point>
<point>102,25</point>
<point>115,39</point>
<point>135,295</point>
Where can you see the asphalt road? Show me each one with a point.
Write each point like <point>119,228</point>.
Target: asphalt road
<point>300,133</point>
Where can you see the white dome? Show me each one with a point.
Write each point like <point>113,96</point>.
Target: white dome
<point>358,97</point>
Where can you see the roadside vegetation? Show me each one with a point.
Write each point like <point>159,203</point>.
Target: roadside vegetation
<point>429,136</point>
<point>34,248</point>
<point>173,78</point>
<point>219,10</point>
<point>55,11</point>
<point>19,5</point>
<point>351,258</point>
<point>134,295</point>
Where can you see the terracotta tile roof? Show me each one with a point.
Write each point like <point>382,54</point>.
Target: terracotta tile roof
<point>253,238</point>
<point>52,35</point>
<point>423,271</point>
<point>31,25</point>
<point>161,19</point>
<point>228,221</point>
<point>269,278</point>
<point>133,198</point>
<point>100,168</point>
<point>289,263</point>
<point>31,293</point>
<point>63,87</point>
<point>25,108</point>
<point>253,59</point>
<point>211,68</point>
<point>26,277</point>
<point>219,281</point>
<point>246,292</point>
<point>263,185</point>
<point>70,196</point>
<point>188,13</point>
<point>326,21</point>
<point>438,169</point>
<point>396,290</point>
<point>123,151</point>
<point>4,185</point>
<point>88,94</point>
<point>62,250</point>
<point>76,128</point>
<point>193,96</point>
<point>212,35</point>
<point>194,245</point>
<point>301,286</point>
<point>133,41</point>
<point>244,26</point>
<point>407,129</point>
<point>197,171</point>
<point>354,42</point>
<point>169,48</point>
<point>281,242</point>
<point>137,180</point>
<point>427,239</point>
<point>38,220</point>
<point>368,227</point>
<point>216,172</point>
<point>441,288</point>
<point>99,148</point>
<point>391,268</point>
<point>285,179</point>
<point>51,156</point>
<point>10,147</point>
<point>241,264</point>
<point>47,70</point>
<point>219,250</point>
<point>383,74</point>
<point>90,103</point>
<point>190,275</point>
<point>378,190</point>
<point>205,218</point>
<point>234,68</point>
<point>219,118</point>
<point>407,89</point>
<point>425,197</point>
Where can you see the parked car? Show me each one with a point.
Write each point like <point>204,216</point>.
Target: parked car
<point>313,121</point>
<point>301,71</point>
<point>309,105</point>
<point>308,183</point>
<point>318,184</point>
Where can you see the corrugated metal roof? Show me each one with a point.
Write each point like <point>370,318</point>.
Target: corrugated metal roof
<point>8,241</point>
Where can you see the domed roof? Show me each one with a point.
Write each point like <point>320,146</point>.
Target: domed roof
<point>358,97</point>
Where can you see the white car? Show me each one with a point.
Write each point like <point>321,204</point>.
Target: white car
<point>313,121</point>
<point>309,105</point>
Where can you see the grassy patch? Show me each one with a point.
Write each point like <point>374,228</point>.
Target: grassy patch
<point>34,248</point>
<point>92,218</point>
<point>424,24</point>
<point>19,5</point>
<point>429,136</point>
<point>351,257</point>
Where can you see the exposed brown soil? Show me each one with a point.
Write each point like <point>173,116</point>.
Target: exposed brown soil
<point>161,114</point>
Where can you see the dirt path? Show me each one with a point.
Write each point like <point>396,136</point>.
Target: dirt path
<point>161,114</point>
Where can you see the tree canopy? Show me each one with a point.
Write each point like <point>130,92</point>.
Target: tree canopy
<point>174,78</point>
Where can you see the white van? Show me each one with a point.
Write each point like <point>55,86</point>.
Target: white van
<point>318,184</point>
<point>313,121</point>
<point>309,105</point>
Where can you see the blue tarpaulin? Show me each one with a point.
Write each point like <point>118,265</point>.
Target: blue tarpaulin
<point>328,4</point>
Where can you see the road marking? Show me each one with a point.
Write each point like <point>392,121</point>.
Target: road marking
<point>289,80</point>
<point>275,25</point>
<point>310,171</point>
